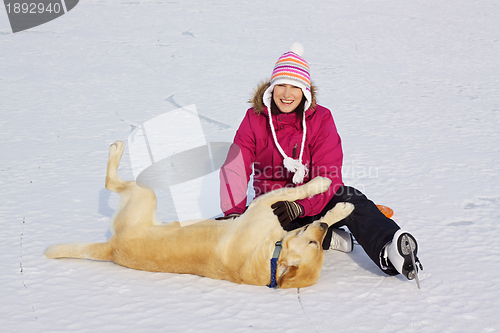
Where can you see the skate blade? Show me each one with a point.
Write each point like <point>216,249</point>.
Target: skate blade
<point>414,274</point>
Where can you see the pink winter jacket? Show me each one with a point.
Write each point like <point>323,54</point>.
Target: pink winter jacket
<point>254,147</point>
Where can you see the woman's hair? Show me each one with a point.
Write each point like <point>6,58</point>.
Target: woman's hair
<point>299,110</point>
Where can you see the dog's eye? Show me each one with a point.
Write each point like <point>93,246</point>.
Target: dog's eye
<point>313,242</point>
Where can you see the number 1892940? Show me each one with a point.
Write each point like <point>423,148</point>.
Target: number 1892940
<point>33,8</point>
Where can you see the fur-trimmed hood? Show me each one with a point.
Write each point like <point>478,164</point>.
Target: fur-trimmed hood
<point>257,100</point>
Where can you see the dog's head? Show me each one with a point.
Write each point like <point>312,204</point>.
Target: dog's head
<point>301,257</point>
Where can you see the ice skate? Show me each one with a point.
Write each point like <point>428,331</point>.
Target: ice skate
<point>402,254</point>
<point>341,241</point>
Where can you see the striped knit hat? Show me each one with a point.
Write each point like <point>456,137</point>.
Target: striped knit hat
<point>291,69</point>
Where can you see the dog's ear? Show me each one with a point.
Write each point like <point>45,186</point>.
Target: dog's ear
<point>287,260</point>
<point>289,273</point>
<point>287,268</point>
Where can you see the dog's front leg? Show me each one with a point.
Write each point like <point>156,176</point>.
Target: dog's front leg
<point>338,213</point>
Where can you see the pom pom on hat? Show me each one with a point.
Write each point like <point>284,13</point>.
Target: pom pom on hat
<point>297,48</point>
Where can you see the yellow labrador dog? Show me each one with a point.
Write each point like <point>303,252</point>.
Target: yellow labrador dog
<point>238,250</point>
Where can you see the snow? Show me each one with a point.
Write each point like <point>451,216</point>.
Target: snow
<point>414,90</point>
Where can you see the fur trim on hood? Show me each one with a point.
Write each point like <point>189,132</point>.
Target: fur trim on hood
<point>257,100</point>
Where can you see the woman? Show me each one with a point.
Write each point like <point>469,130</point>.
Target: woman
<point>286,139</point>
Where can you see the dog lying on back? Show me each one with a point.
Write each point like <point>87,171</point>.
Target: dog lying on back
<point>237,250</point>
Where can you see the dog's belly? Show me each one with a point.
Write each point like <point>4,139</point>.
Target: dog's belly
<point>172,249</point>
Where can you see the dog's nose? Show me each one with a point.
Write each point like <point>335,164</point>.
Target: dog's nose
<point>323,225</point>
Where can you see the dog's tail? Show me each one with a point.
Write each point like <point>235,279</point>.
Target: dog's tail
<point>94,251</point>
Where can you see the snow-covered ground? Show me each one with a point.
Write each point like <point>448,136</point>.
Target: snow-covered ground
<point>414,87</point>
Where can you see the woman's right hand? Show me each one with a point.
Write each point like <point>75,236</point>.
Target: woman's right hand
<point>228,217</point>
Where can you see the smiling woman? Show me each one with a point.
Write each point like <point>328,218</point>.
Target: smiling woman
<point>287,139</point>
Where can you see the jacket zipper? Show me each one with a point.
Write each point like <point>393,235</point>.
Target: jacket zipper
<point>294,150</point>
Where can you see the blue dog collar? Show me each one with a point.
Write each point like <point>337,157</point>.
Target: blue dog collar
<point>274,264</point>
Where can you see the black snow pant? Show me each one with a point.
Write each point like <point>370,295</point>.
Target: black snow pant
<point>371,228</point>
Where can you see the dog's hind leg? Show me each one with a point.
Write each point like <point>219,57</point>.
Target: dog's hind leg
<point>137,206</point>
<point>113,182</point>
<point>94,251</point>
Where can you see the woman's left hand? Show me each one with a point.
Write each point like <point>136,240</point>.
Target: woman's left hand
<point>287,211</point>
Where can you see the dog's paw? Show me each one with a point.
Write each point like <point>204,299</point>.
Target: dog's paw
<point>117,147</point>
<point>338,213</point>
<point>319,185</point>
<point>344,208</point>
